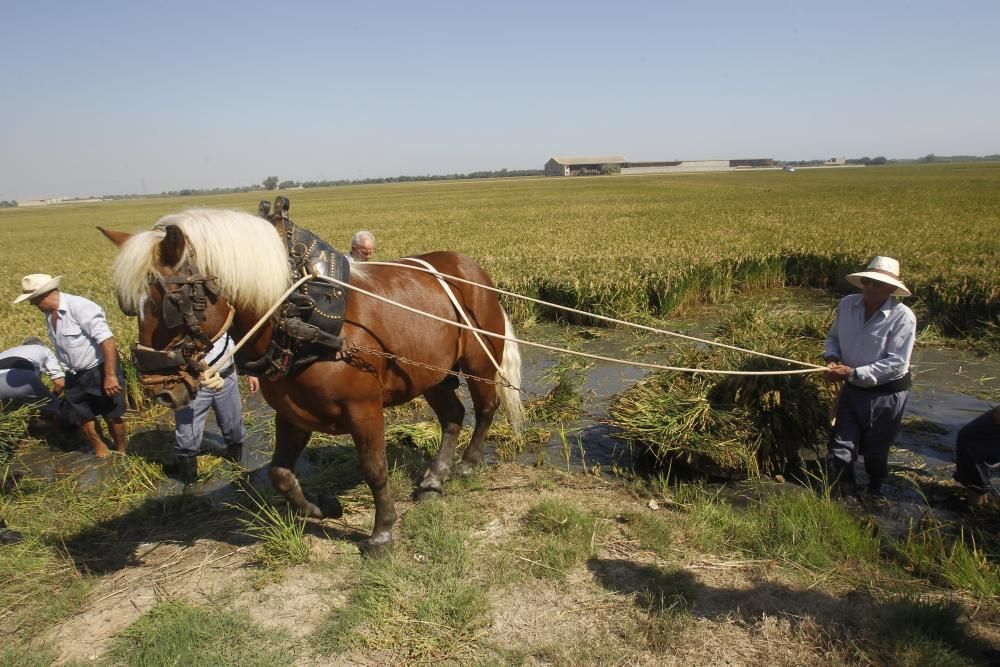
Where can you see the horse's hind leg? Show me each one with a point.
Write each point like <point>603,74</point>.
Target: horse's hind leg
<point>290,440</point>
<point>450,412</point>
<point>485,401</point>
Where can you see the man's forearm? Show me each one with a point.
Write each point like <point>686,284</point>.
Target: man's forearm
<point>110,352</point>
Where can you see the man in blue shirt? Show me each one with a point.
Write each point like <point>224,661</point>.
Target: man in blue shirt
<point>86,349</point>
<point>868,349</point>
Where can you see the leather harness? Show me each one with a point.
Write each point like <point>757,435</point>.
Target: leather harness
<point>307,326</point>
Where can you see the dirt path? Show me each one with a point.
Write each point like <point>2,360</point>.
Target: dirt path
<point>736,611</point>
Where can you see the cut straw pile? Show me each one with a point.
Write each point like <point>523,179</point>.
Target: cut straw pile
<point>734,426</point>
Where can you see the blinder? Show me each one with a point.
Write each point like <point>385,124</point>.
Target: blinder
<point>185,304</point>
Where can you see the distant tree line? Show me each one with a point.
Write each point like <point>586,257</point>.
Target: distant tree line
<point>4,203</point>
<point>274,183</point>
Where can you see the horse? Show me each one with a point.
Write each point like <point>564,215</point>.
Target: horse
<point>239,266</point>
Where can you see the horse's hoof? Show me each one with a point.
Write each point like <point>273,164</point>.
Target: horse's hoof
<point>375,550</point>
<point>428,493</point>
<point>464,468</point>
<point>330,506</point>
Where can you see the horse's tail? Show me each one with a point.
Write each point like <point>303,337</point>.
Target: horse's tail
<point>510,370</point>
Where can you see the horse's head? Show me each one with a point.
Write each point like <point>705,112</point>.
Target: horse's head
<point>181,311</point>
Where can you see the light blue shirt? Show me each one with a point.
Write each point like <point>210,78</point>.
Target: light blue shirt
<point>81,330</point>
<point>879,349</point>
<point>38,356</point>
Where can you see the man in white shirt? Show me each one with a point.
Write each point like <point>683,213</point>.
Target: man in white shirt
<point>868,349</point>
<point>86,349</point>
<point>362,246</point>
<point>20,377</point>
<point>189,421</point>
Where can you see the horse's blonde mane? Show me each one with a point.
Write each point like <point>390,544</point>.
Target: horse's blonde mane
<point>243,251</point>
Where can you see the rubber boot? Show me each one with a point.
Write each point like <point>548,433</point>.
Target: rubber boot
<point>841,478</point>
<point>234,453</point>
<point>875,487</point>
<point>187,469</point>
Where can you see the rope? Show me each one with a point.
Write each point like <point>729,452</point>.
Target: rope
<point>602,317</point>
<point>811,368</point>
<point>461,311</point>
<point>229,355</point>
<point>551,348</point>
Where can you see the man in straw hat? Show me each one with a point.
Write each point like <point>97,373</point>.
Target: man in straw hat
<point>86,348</point>
<point>868,349</point>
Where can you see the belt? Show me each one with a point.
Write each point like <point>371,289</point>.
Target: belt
<point>229,370</point>
<point>73,373</point>
<point>890,387</point>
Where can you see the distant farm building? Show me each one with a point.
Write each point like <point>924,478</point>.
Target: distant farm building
<point>592,165</point>
<point>581,166</point>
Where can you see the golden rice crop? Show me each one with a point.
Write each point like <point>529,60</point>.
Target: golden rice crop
<point>631,246</point>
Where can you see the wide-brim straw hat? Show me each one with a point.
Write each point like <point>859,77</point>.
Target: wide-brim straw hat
<point>37,283</point>
<point>884,270</point>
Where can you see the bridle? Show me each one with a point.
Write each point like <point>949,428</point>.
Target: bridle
<point>185,303</point>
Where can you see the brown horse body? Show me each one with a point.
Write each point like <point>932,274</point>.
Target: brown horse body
<point>346,392</point>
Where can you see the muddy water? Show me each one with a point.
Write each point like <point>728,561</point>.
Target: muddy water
<point>947,387</point>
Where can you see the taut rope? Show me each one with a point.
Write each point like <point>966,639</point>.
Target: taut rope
<point>601,317</point>
<point>810,368</point>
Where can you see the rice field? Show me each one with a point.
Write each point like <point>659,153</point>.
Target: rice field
<point>539,542</point>
<point>637,247</point>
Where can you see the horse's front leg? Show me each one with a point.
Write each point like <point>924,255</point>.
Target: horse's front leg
<point>368,431</point>
<point>290,440</point>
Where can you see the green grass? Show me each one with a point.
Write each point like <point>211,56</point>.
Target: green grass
<point>280,534</point>
<point>558,535</point>
<point>22,656</point>
<point>954,561</point>
<point>421,602</point>
<point>797,527</point>
<point>913,630</point>
<point>176,633</point>
<point>653,532</point>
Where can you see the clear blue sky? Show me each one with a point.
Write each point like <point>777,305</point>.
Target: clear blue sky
<point>113,97</point>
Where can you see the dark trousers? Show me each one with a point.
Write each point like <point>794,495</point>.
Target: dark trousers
<point>977,452</point>
<point>867,424</point>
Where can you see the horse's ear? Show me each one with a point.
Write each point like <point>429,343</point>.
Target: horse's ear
<point>118,238</point>
<point>172,246</point>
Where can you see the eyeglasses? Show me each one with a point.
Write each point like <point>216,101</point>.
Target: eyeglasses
<point>865,282</point>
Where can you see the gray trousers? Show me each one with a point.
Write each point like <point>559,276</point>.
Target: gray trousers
<point>21,387</point>
<point>189,422</point>
<point>867,424</point>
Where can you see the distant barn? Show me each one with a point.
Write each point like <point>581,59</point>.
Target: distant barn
<point>581,166</point>
<point>592,165</point>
